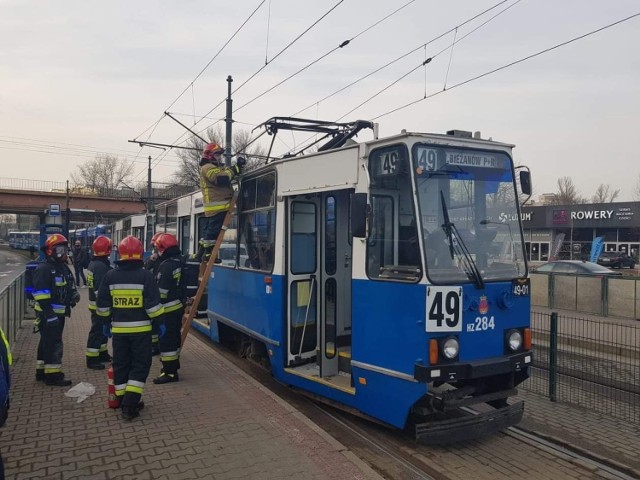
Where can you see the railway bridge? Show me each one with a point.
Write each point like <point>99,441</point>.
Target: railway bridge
<point>91,205</point>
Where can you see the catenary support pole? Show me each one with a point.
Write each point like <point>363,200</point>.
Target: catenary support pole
<point>229,121</point>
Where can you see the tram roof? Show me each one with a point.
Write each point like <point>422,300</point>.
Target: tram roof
<point>442,138</point>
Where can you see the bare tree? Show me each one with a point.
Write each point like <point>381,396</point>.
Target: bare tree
<point>188,172</point>
<point>636,190</point>
<point>7,222</point>
<point>605,194</point>
<point>105,171</point>
<point>567,193</point>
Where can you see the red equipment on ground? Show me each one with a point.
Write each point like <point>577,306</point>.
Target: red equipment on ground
<point>113,402</point>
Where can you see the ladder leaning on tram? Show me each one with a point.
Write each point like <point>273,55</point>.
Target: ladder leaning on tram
<point>191,309</point>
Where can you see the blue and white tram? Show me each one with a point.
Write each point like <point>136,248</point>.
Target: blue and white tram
<point>388,276</point>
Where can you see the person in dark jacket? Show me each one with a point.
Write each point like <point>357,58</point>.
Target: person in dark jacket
<point>169,284</point>
<point>128,303</point>
<point>79,261</point>
<point>55,293</point>
<point>98,267</point>
<point>152,265</point>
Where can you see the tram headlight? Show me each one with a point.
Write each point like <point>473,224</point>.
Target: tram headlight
<point>450,348</point>
<point>514,340</point>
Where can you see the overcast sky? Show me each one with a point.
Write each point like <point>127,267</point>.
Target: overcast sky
<point>78,78</point>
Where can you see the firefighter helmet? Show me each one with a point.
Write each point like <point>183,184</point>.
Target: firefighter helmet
<point>155,237</point>
<point>210,150</point>
<point>165,241</point>
<point>130,248</point>
<point>53,241</point>
<point>102,246</point>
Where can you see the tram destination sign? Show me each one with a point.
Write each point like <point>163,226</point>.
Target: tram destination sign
<point>472,159</point>
<point>429,159</point>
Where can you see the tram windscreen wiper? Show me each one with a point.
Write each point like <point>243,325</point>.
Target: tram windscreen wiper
<point>458,247</point>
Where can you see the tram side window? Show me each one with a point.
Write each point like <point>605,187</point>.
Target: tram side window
<point>256,224</point>
<point>393,251</point>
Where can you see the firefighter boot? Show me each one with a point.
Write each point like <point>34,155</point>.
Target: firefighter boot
<point>95,365</point>
<point>129,412</point>
<point>105,357</point>
<point>40,375</point>
<point>166,378</point>
<point>57,380</point>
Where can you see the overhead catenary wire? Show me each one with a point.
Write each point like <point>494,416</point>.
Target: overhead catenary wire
<point>503,67</point>
<point>397,59</point>
<point>175,142</point>
<point>284,49</point>
<point>192,83</point>
<point>430,59</point>
<point>322,57</point>
<point>343,44</point>
<point>30,144</point>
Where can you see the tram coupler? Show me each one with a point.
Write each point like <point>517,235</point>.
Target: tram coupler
<point>442,401</point>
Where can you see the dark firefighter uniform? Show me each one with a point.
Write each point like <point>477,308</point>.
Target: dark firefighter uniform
<point>168,279</point>
<point>152,263</point>
<point>128,301</point>
<point>54,293</point>
<point>96,341</point>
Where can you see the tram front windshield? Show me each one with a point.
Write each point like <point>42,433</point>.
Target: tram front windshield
<point>468,209</point>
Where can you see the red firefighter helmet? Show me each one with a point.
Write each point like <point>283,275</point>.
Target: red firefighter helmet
<point>102,246</point>
<point>165,241</point>
<point>210,150</point>
<point>53,241</point>
<point>155,237</point>
<point>130,248</point>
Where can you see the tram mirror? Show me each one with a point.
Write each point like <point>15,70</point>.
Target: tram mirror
<point>525,182</point>
<point>359,215</point>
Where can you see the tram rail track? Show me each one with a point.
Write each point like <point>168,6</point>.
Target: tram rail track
<point>394,455</point>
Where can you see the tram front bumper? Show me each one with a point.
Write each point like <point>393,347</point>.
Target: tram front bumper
<point>489,367</point>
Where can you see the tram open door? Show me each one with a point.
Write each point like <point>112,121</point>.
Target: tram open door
<point>319,282</point>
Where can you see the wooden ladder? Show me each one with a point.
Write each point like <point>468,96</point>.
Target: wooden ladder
<point>191,309</point>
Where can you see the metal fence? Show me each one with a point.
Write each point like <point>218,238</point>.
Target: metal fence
<point>594,363</point>
<point>597,295</point>
<point>12,307</point>
<point>160,191</point>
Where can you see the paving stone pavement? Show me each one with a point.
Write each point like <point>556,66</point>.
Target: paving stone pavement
<point>216,423</point>
<point>602,436</point>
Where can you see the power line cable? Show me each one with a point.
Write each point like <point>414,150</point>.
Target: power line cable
<point>430,59</point>
<point>275,57</point>
<point>161,156</point>
<point>28,144</point>
<point>400,57</point>
<point>528,57</point>
<point>259,70</point>
<point>342,45</point>
<point>190,85</point>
